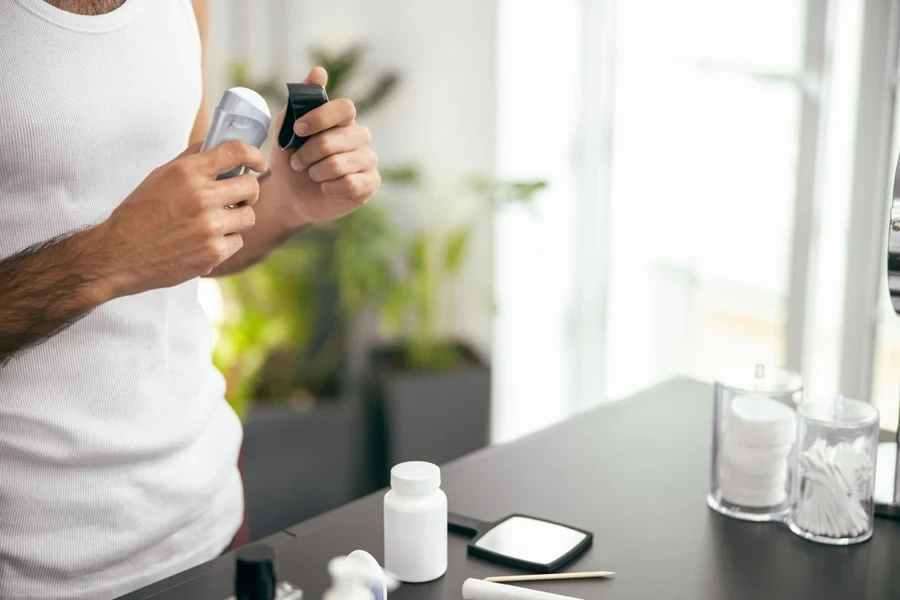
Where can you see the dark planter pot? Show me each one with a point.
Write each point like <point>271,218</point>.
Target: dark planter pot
<point>298,464</point>
<point>430,416</point>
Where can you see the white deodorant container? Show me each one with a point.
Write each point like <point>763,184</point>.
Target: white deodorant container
<point>241,114</point>
<point>415,523</point>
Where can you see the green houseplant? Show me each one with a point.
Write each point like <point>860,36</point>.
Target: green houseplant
<point>432,260</point>
<point>429,394</point>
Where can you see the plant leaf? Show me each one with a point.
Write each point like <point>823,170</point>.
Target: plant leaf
<point>499,192</point>
<point>481,183</point>
<point>394,308</point>
<point>455,251</point>
<point>377,93</point>
<point>320,56</point>
<point>524,191</point>
<point>402,175</point>
<point>240,74</point>
<point>340,67</point>
<point>418,252</point>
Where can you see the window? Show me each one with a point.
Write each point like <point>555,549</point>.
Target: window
<point>716,165</point>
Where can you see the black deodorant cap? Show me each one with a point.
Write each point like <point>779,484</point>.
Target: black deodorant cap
<point>255,575</point>
<point>302,98</point>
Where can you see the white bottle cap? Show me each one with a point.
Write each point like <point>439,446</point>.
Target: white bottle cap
<point>415,477</point>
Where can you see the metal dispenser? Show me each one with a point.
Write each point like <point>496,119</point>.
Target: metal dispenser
<point>887,477</point>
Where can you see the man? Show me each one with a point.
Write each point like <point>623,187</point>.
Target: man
<point>118,453</point>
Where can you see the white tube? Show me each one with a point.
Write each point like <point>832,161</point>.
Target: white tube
<point>477,589</point>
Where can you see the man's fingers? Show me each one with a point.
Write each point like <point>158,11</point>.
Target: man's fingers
<point>228,246</point>
<point>346,163</point>
<point>279,119</point>
<point>359,187</point>
<point>243,189</point>
<point>331,114</point>
<point>227,156</point>
<point>318,76</point>
<point>333,141</point>
<point>236,220</point>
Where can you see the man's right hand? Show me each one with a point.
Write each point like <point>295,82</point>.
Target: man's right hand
<point>172,228</point>
<point>175,226</point>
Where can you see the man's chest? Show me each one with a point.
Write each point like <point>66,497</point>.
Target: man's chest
<point>87,7</point>
<point>112,96</point>
<point>87,115</point>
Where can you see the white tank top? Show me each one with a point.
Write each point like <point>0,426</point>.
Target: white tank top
<point>118,452</point>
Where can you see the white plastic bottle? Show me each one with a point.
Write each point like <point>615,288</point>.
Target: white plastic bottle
<point>415,523</point>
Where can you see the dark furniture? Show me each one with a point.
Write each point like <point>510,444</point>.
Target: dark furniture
<point>635,472</point>
<point>432,416</point>
<point>311,456</point>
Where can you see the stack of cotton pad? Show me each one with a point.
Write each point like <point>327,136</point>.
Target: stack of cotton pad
<point>753,458</point>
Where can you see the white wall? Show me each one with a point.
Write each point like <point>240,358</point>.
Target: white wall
<point>442,117</point>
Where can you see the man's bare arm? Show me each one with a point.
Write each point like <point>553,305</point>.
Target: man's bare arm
<point>46,288</point>
<point>172,228</point>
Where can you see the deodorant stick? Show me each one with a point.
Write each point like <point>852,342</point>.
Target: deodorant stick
<point>241,114</point>
<point>415,523</point>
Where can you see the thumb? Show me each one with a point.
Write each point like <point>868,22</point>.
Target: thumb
<point>279,119</point>
<point>318,76</point>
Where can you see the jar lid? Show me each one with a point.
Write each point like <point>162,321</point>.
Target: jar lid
<point>255,574</point>
<point>761,379</point>
<point>415,477</point>
<point>839,412</point>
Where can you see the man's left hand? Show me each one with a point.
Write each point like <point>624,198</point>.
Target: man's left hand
<point>335,171</point>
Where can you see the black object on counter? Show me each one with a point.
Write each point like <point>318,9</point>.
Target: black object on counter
<point>255,574</point>
<point>523,542</point>
<point>302,98</point>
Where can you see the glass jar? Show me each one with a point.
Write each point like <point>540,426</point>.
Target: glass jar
<point>834,485</point>
<point>754,429</point>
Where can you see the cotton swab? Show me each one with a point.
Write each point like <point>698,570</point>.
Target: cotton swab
<point>551,576</point>
<point>830,504</point>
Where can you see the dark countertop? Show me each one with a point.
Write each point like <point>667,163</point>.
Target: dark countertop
<point>635,472</point>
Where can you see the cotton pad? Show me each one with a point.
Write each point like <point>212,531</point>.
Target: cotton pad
<point>753,459</point>
<point>752,497</point>
<point>761,421</point>
<point>777,478</point>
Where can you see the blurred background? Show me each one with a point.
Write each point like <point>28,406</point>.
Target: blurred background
<point>582,198</point>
